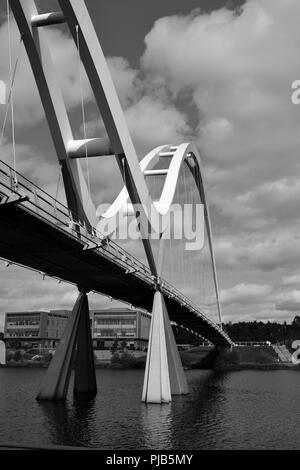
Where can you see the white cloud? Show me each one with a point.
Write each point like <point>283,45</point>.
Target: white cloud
<point>241,89</point>
<point>289,280</point>
<point>243,293</point>
<point>125,79</point>
<point>289,301</point>
<point>153,123</point>
<point>279,250</point>
<point>216,130</point>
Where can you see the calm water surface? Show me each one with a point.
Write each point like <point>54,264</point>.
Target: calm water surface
<point>236,410</point>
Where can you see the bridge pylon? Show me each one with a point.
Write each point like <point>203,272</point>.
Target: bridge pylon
<point>164,374</point>
<point>76,347</point>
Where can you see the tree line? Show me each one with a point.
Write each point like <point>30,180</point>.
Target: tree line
<point>260,331</point>
<point>249,331</point>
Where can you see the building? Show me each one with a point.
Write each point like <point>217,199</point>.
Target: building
<point>37,329</point>
<point>122,326</point>
<point>43,329</point>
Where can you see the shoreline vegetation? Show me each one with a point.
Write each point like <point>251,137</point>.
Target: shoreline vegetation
<point>251,358</point>
<point>201,357</point>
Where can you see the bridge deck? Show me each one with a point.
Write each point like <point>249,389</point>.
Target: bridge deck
<point>36,233</point>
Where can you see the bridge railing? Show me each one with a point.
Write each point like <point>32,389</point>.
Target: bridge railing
<point>47,207</point>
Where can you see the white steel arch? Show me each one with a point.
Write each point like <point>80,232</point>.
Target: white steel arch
<point>185,153</point>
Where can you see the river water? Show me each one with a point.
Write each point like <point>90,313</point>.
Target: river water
<point>235,410</point>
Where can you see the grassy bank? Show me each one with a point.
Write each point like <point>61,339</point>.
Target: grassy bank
<point>199,357</point>
<point>249,357</point>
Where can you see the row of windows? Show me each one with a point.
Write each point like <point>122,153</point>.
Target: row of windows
<point>115,332</point>
<point>114,322</point>
<point>22,322</point>
<point>23,334</point>
<point>112,329</point>
<point>104,335</point>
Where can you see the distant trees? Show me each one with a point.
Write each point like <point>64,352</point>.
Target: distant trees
<point>259,331</point>
<point>296,321</point>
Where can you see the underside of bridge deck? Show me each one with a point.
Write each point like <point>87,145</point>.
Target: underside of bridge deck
<point>32,241</point>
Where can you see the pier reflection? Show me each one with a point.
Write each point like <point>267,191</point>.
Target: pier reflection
<point>70,422</point>
<point>156,423</point>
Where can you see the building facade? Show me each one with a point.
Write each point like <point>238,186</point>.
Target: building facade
<point>122,326</point>
<point>43,329</point>
<point>37,329</point>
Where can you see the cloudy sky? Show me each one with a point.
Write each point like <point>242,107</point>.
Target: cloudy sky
<point>214,72</point>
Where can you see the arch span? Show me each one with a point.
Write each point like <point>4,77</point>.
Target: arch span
<point>179,155</point>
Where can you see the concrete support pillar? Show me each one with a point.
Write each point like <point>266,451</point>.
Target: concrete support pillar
<point>164,374</point>
<point>55,385</point>
<point>85,377</point>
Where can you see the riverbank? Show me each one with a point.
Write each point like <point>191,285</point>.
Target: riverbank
<point>250,358</point>
<point>206,358</point>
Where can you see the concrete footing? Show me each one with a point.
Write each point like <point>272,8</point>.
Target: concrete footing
<point>77,333</point>
<point>164,373</point>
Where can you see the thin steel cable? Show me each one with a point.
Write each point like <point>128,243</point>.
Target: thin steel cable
<point>83,110</point>
<point>9,94</point>
<point>11,72</point>
<point>57,189</point>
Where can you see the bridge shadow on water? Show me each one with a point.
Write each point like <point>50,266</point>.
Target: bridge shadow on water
<point>196,414</point>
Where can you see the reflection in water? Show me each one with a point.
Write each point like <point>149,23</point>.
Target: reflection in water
<point>69,423</point>
<point>156,426</point>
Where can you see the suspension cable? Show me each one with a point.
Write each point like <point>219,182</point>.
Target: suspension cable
<point>57,189</point>
<point>11,72</point>
<point>185,256</point>
<point>83,110</point>
<point>10,89</point>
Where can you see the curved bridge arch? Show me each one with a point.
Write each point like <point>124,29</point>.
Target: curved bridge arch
<point>179,155</point>
<point>185,153</point>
